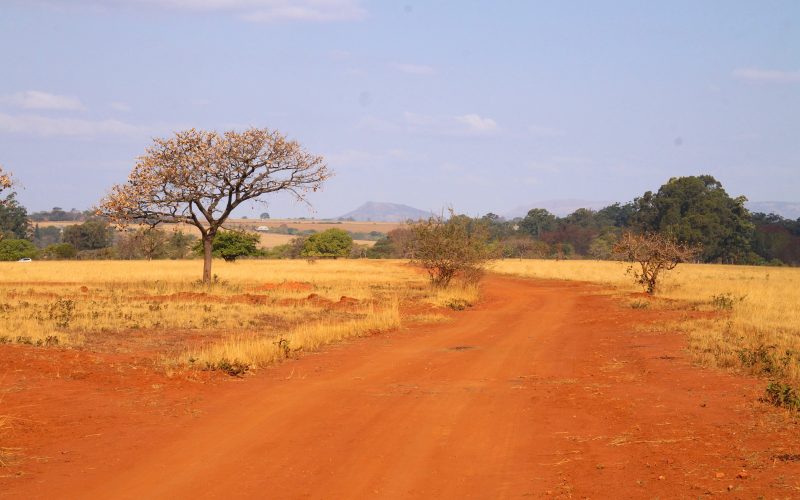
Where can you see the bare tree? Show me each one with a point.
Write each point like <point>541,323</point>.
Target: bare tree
<point>199,177</point>
<point>5,183</point>
<point>5,180</point>
<point>654,252</point>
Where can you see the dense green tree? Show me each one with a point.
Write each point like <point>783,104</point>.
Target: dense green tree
<point>696,210</point>
<point>179,244</point>
<point>46,236</point>
<point>330,243</point>
<point>15,249</point>
<point>776,240</point>
<point>382,249</point>
<point>91,235</point>
<point>538,221</point>
<point>230,245</point>
<point>499,228</point>
<point>14,219</point>
<point>59,251</point>
<point>616,215</point>
<point>584,218</point>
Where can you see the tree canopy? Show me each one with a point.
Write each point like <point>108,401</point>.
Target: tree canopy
<point>230,245</point>
<point>538,221</point>
<point>331,243</point>
<point>91,235</point>
<point>696,210</point>
<point>15,249</point>
<point>199,177</point>
<point>13,219</point>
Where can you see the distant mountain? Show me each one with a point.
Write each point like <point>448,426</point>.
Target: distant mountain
<point>385,212</point>
<point>560,208</point>
<point>786,209</point>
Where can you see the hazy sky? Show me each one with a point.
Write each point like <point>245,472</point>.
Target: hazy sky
<point>481,105</point>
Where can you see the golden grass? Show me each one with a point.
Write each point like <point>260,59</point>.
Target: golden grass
<point>251,305</point>
<point>257,351</point>
<point>759,308</point>
<point>456,296</point>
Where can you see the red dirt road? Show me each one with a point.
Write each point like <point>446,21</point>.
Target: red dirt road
<point>544,389</point>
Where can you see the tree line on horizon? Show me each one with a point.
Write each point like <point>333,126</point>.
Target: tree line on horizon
<point>694,210</point>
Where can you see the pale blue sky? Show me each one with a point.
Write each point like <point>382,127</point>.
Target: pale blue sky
<point>481,105</point>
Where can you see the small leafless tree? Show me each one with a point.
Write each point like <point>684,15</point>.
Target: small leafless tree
<point>654,253</point>
<point>5,180</point>
<point>199,177</point>
<point>446,248</point>
<point>5,183</point>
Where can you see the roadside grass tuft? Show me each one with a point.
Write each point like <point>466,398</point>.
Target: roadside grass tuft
<point>782,395</point>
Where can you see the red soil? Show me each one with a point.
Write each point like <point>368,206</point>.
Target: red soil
<point>544,389</point>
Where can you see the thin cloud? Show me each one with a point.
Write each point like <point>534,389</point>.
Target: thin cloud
<point>309,11</point>
<point>36,99</point>
<point>120,106</point>
<point>478,124</point>
<point>267,11</point>
<point>767,75</point>
<point>413,69</point>
<point>463,125</point>
<point>542,131</point>
<point>68,127</point>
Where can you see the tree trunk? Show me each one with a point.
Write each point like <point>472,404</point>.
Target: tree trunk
<point>207,243</point>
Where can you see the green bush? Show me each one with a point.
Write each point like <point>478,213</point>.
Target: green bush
<point>59,251</point>
<point>783,395</point>
<point>230,245</point>
<point>331,243</point>
<point>17,249</point>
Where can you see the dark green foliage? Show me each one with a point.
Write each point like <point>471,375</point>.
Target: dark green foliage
<point>382,249</point>
<point>59,251</point>
<point>107,253</point>
<point>17,249</point>
<point>782,395</point>
<point>58,214</point>
<point>537,222</point>
<point>230,245</point>
<point>368,236</point>
<point>331,243</point>
<point>776,239</point>
<point>499,228</point>
<point>616,215</point>
<point>14,219</point>
<point>91,235</point>
<point>46,236</point>
<point>764,360</point>
<point>697,211</point>
<point>179,245</point>
<point>233,368</point>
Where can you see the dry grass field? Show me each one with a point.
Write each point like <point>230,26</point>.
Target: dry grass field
<point>756,327</point>
<point>254,313</point>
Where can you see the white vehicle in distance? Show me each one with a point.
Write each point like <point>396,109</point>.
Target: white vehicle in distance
<point>25,259</point>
